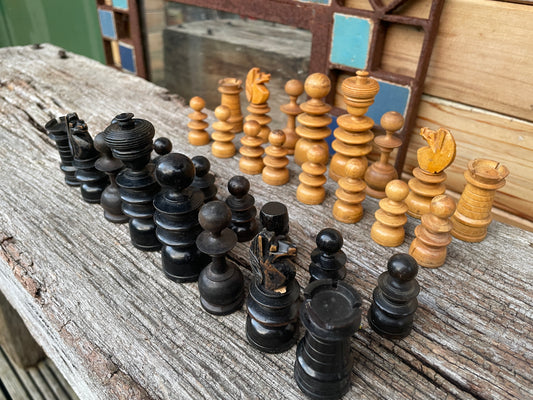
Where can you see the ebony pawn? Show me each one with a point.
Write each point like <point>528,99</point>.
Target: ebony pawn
<point>243,212</point>
<point>331,313</point>
<point>93,182</point>
<point>272,321</point>
<point>110,199</point>
<point>328,260</point>
<point>57,131</point>
<point>221,283</point>
<point>130,140</point>
<point>162,146</point>
<point>204,180</point>
<point>394,299</point>
<point>176,218</point>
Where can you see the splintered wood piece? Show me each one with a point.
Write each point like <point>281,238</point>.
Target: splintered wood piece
<point>312,179</point>
<point>294,88</point>
<point>198,136</point>
<point>350,194</point>
<point>388,230</point>
<point>276,172</point>
<point>251,162</point>
<point>222,146</point>
<point>257,94</point>
<point>473,215</point>
<point>314,121</point>
<point>230,88</point>
<point>433,233</point>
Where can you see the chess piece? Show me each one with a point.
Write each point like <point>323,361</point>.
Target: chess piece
<point>257,94</point>
<point>93,182</point>
<point>353,136</point>
<point>473,214</point>
<point>429,176</point>
<point>350,194</point>
<point>251,162</point>
<point>312,179</point>
<point>222,146</point>
<point>162,146</point>
<point>381,172</point>
<point>176,217</point>
<point>276,172</point>
<point>229,88</point>
<point>394,302</point>
<point>110,199</point>
<point>388,229</point>
<point>204,180</point>
<point>314,120</point>
<point>198,136</point>
<point>57,131</point>
<point>221,283</point>
<point>331,314</point>
<point>294,88</point>
<point>433,233</point>
<point>272,322</point>
<point>328,260</point>
<point>130,140</point>
<point>243,212</point>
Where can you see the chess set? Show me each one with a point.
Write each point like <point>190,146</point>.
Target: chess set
<point>170,204</point>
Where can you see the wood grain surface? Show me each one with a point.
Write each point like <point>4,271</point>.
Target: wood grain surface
<point>118,329</point>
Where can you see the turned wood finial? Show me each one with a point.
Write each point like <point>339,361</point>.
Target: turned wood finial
<point>294,88</point>
<point>198,136</point>
<point>311,190</point>
<point>222,146</point>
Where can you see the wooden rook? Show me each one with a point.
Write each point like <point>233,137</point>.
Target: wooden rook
<point>222,146</point>
<point>473,214</point>
<point>110,199</point>
<point>130,140</point>
<point>251,161</point>
<point>272,321</point>
<point>176,218</point>
<point>331,314</point>
<point>229,89</point>
<point>429,176</point>
<point>381,172</point>
<point>353,136</point>
<point>203,179</point>
<point>243,211</point>
<point>294,88</point>
<point>433,233</point>
<point>257,94</point>
<point>328,260</point>
<point>314,121</point>
<point>388,230</point>
<point>350,194</point>
<point>312,179</point>
<point>93,182</point>
<point>394,302</point>
<point>198,135</point>
<point>57,131</point>
<point>221,283</point>
<point>276,172</point>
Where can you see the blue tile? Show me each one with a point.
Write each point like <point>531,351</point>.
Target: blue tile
<point>127,57</point>
<point>391,97</point>
<point>120,4</point>
<point>107,24</point>
<point>350,41</point>
<point>326,2</point>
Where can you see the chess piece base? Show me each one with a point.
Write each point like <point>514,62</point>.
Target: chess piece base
<point>221,293</point>
<point>272,339</point>
<point>217,309</point>
<point>388,327</point>
<point>142,233</point>
<point>183,265</point>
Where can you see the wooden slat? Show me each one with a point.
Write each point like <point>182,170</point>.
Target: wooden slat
<point>483,54</point>
<point>10,379</point>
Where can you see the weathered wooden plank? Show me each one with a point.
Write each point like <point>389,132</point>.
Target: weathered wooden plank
<point>116,328</point>
<point>10,381</point>
<point>483,54</point>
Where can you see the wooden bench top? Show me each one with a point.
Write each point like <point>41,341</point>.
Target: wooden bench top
<point>118,329</point>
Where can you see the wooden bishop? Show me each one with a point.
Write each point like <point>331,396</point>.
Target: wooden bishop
<point>350,194</point>
<point>251,151</point>
<point>222,146</point>
<point>276,172</point>
<point>314,120</point>
<point>312,179</point>
<point>353,136</point>
<point>257,94</point>
<point>294,88</point>
<point>198,136</point>
<point>388,229</point>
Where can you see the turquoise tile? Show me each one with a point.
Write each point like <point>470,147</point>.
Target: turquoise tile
<point>127,57</point>
<point>120,4</point>
<point>350,42</point>
<point>391,97</point>
<point>107,24</point>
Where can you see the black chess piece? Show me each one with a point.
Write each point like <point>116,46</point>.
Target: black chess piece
<point>204,180</point>
<point>328,260</point>
<point>130,140</point>
<point>162,146</point>
<point>110,199</point>
<point>394,302</point>
<point>272,321</point>
<point>221,283</point>
<point>57,131</point>
<point>243,212</point>
<point>93,182</point>
<point>331,313</point>
<point>176,218</point>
